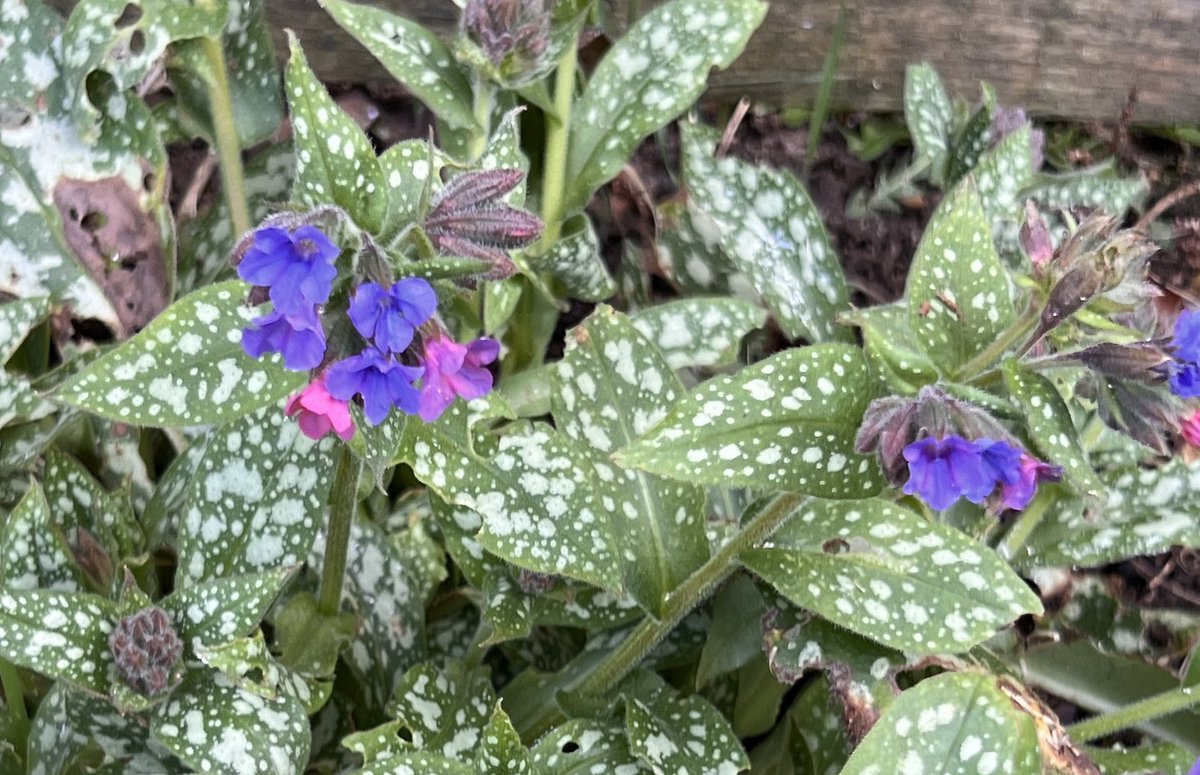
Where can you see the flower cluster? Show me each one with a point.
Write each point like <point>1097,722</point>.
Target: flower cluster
<point>1184,371</point>
<point>145,649</point>
<point>297,270</point>
<point>942,470</point>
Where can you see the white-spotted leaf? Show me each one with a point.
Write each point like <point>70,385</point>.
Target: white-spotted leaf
<point>929,115</point>
<point>1001,176</point>
<point>880,570</point>
<point>612,386</point>
<point>1051,428</point>
<point>445,712</point>
<point>699,332</point>
<point>410,169</point>
<point>1101,187</point>
<point>413,55</point>
<point>947,725</point>
<point>575,261</point>
<point>79,502</point>
<point>17,318</point>
<point>689,250</point>
<point>501,751</point>
<point>217,611</point>
<point>958,293</point>
<point>335,163</point>
<point>185,368</point>
<point>62,635</point>
<point>34,550</point>
<point>773,232</point>
<point>216,727</point>
<point>257,499</point>
<point>891,347</point>
<point>675,734</point>
<point>785,423</point>
<point>584,747</point>
<point>650,76</point>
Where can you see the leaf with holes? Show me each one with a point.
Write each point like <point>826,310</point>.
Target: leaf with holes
<point>929,115</point>
<point>612,386</point>
<point>699,332</point>
<point>1147,512</point>
<point>682,734</point>
<point>34,551</point>
<point>257,499</point>
<point>335,163</point>
<point>785,423</point>
<point>1051,427</point>
<point>214,726</point>
<point>1101,187</point>
<point>217,611</point>
<point>772,231</point>
<point>413,55</point>
<point>958,293</point>
<point>185,368</point>
<point>882,571</point>
<point>575,261</point>
<point>650,76</point>
<point>584,746</point>
<point>444,711</point>
<point>63,635</point>
<point>891,347</point>
<point>534,492</point>
<point>951,723</point>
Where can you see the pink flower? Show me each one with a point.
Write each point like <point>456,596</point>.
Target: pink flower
<point>320,412</point>
<point>1019,491</point>
<point>1189,428</point>
<point>453,369</point>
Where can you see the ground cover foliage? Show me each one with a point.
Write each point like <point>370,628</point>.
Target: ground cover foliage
<point>299,483</point>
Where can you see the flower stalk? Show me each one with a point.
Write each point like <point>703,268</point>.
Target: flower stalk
<point>343,501</point>
<point>554,173</point>
<point>229,152</point>
<point>1170,701</point>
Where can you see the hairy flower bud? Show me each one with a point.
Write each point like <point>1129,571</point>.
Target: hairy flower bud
<point>513,34</point>
<point>1145,414</point>
<point>1142,361</point>
<point>1035,236</point>
<point>468,219</point>
<point>145,649</point>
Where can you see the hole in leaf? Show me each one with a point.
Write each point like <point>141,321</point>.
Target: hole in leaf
<point>130,15</point>
<point>405,734</point>
<point>137,42</point>
<point>93,221</point>
<point>148,181</point>
<point>835,546</point>
<point>570,746</point>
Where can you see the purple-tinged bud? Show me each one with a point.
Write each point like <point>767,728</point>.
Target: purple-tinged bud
<point>1035,236</point>
<point>469,220</point>
<point>513,34</point>
<point>145,649</point>
<point>1144,413</point>
<point>534,583</point>
<point>1141,361</point>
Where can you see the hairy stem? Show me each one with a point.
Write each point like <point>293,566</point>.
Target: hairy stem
<point>554,171</point>
<point>483,95</point>
<point>14,697</point>
<point>1024,526</point>
<point>229,152</point>
<point>343,500</point>
<point>1140,712</point>
<point>996,350</point>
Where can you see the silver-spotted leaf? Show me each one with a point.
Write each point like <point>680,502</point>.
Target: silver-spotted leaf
<point>929,115</point>
<point>501,751</point>
<point>575,261</point>
<point>786,423</point>
<point>80,503</point>
<point>951,723</point>
<point>444,711</point>
<point>335,163</point>
<point>880,570</point>
<point>650,76</point>
<point>683,734</point>
<point>257,499</point>
<point>185,368</point>
<point>217,611</point>
<point>1101,187</point>
<point>772,232</point>
<point>958,293</point>
<point>689,250</point>
<point>411,170</point>
<point>583,747</point>
<point>34,549</point>
<point>1001,176</point>
<point>62,635</point>
<point>699,332</point>
<point>891,347</point>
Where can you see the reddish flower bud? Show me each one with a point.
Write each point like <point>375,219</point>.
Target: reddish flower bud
<point>145,649</point>
<point>469,220</point>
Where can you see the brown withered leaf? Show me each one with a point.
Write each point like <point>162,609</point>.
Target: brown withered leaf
<point>119,245</point>
<point>1058,752</point>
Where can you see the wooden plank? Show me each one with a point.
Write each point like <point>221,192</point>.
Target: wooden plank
<point>1064,58</point>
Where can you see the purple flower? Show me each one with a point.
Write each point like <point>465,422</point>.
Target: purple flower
<point>1000,459</point>
<point>943,470</point>
<point>453,369</point>
<point>388,317</point>
<point>1017,493</point>
<point>299,337</point>
<point>379,378</point>
<point>1195,770</point>
<point>1187,336</point>
<point>1184,378</point>
<point>296,267</point>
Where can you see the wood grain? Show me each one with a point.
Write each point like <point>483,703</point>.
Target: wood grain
<point>1063,58</point>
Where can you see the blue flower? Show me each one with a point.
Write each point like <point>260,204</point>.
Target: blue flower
<point>380,379</point>
<point>388,317</point>
<point>1187,336</point>
<point>299,337</point>
<point>296,267</point>
<point>1195,770</point>
<point>1000,459</point>
<point>1184,379</point>
<point>943,470</point>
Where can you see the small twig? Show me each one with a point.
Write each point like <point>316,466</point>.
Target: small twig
<point>189,205</point>
<point>1185,191</point>
<point>731,128</point>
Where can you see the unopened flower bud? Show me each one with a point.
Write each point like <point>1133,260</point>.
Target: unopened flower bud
<point>469,220</point>
<point>1142,361</point>
<point>145,649</point>
<point>1035,236</point>
<point>1146,415</point>
<point>513,34</point>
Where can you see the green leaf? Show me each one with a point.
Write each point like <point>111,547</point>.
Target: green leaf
<point>972,137</point>
<point>1051,427</point>
<point>583,747</point>
<point>249,665</point>
<point>1001,175</point>
<point>220,610</point>
<point>785,423</point>
<point>612,385</point>
<point>214,726</point>
<point>575,261</point>
<point>1145,759</point>
<point>185,368</point>
<point>772,231</point>
<point>458,526</point>
<point>335,163</point>
<point>27,64</point>
<point>413,55</point>
<point>891,347</point>
<point>958,293</point>
<point>882,571</point>
<point>951,723</point>
<point>805,742</point>
<point>929,114</point>
<point>735,635</point>
<point>376,445</point>
<point>689,249</point>
<point>699,332</point>
<point>34,551</point>
<point>411,169</point>
<point>257,500</point>
<point>63,635</point>
<point>682,734</point>
<point>17,318</point>
<point>501,751</point>
<point>82,503</point>
<point>650,75</point>
<point>1147,512</point>
<point>445,712</point>
<point>534,491</point>
<point>1101,186</point>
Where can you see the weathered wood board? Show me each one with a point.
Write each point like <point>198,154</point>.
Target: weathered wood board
<point>1067,58</point>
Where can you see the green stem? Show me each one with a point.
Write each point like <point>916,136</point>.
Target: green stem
<point>1133,715</point>
<point>482,95</point>
<point>14,697</point>
<point>554,171</point>
<point>228,150</point>
<point>343,501</point>
<point>994,351</point>
<point>691,593</point>
<point>1024,526</point>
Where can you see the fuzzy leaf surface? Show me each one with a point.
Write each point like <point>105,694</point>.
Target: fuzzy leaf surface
<point>217,611</point>
<point>62,635</point>
<point>699,332</point>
